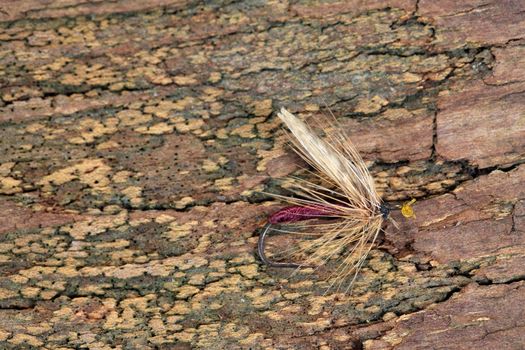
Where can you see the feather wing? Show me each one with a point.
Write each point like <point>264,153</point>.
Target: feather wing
<point>336,161</point>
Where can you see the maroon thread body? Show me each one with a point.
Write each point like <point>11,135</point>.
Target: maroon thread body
<point>298,213</point>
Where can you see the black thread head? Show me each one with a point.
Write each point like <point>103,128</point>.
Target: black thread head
<point>385,210</point>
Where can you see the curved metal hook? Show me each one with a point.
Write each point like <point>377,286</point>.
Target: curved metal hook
<point>264,259</point>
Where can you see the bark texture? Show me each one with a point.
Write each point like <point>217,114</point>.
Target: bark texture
<point>136,136</point>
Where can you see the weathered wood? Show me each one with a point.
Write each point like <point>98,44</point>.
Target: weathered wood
<point>136,136</point>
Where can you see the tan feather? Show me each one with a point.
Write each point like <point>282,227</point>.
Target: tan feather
<point>353,201</point>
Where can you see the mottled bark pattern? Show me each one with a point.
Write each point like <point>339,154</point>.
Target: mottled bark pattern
<point>136,136</point>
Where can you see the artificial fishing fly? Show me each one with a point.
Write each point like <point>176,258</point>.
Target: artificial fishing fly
<point>348,197</point>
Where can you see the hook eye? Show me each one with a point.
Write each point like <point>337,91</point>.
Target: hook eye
<point>407,211</point>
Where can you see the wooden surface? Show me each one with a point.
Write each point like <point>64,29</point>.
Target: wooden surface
<point>135,136</point>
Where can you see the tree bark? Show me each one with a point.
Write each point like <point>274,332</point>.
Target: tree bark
<point>137,137</point>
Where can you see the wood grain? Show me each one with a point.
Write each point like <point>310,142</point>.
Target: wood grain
<point>136,137</point>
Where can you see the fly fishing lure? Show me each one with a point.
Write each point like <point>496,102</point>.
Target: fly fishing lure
<point>346,195</point>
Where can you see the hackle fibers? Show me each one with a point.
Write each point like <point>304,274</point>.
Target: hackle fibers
<point>341,214</point>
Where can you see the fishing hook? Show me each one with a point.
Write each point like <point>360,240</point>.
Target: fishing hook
<point>264,259</point>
